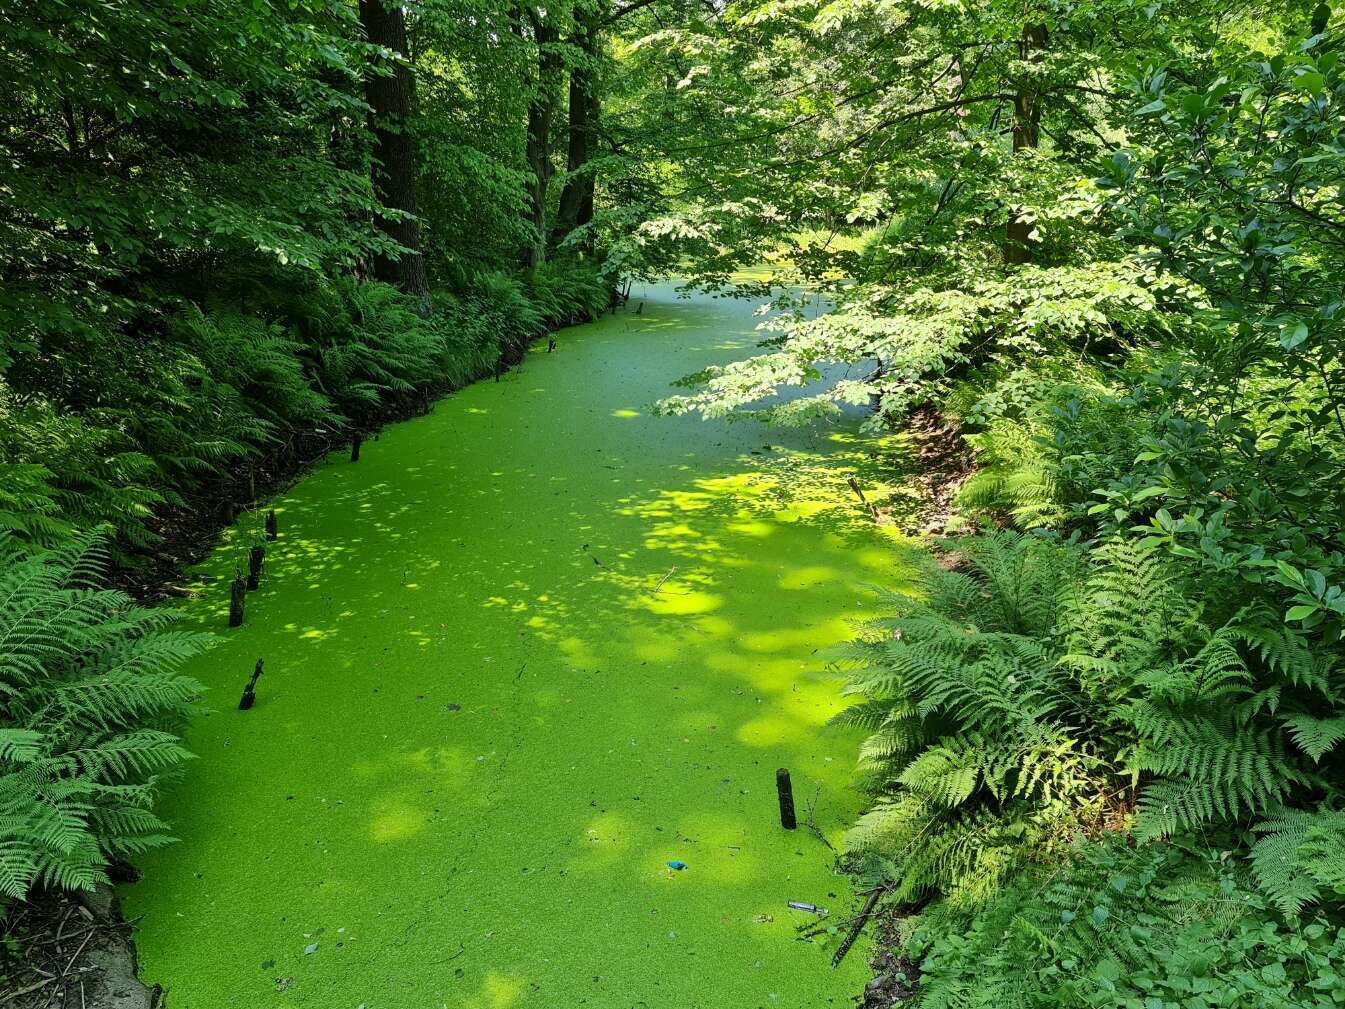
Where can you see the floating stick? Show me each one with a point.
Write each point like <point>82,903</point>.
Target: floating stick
<point>858,926</point>
<point>250,691</point>
<point>854,486</point>
<point>239,593</point>
<point>786,793</point>
<point>255,557</point>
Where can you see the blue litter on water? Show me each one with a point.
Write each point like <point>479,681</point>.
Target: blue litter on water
<point>676,864</point>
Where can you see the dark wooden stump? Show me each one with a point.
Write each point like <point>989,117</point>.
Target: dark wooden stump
<point>255,558</point>
<point>786,792</point>
<point>271,529</point>
<point>355,441</point>
<point>550,345</point>
<point>239,594</point>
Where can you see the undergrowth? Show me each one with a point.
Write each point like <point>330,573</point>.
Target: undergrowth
<point>226,380</point>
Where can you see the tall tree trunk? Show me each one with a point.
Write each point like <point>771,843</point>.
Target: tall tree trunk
<point>541,110</point>
<point>394,167</point>
<point>576,198</point>
<point>1026,134</point>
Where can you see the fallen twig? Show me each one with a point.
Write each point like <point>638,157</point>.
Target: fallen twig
<point>672,570</point>
<point>87,936</point>
<point>24,991</point>
<point>811,823</point>
<point>854,486</point>
<point>859,924</point>
<point>809,932</point>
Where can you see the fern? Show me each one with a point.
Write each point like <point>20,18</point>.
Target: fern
<point>1035,694</point>
<point>1299,856</point>
<point>92,684</point>
<point>1016,477</point>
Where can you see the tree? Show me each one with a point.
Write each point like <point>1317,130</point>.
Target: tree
<point>577,195</point>
<point>1026,132</point>
<point>389,88</point>
<point>545,28</point>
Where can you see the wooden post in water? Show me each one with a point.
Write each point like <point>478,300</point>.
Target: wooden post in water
<point>355,441</point>
<point>250,691</point>
<point>271,531</point>
<point>255,557</point>
<point>239,593</point>
<point>786,792</point>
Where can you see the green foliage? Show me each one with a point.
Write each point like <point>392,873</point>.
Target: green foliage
<point>92,698</point>
<point>235,377</point>
<point>918,338</point>
<point>186,206</point>
<point>1043,691</point>
<point>1153,927</point>
<point>1299,856</point>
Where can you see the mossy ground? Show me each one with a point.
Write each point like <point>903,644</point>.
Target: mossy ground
<point>528,650</point>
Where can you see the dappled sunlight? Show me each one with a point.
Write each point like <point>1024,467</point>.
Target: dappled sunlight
<point>498,991</point>
<point>684,603</point>
<point>396,821</point>
<point>605,839</point>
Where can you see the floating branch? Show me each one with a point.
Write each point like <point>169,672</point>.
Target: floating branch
<point>662,581</point>
<point>858,926</point>
<point>854,486</point>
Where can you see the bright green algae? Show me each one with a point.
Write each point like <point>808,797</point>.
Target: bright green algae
<point>528,650</point>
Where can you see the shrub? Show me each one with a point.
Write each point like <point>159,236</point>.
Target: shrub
<point>1042,692</point>
<point>1155,927</point>
<point>230,376</point>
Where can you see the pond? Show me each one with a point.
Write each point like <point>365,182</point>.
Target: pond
<point>529,653</point>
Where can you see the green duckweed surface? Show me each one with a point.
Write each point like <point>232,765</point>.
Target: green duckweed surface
<point>527,651</point>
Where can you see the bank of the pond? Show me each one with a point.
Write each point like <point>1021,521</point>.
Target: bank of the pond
<point>528,652</point>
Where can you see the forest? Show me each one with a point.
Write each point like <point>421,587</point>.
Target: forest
<point>684,504</point>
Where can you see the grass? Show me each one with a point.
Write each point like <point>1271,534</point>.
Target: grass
<point>527,651</point>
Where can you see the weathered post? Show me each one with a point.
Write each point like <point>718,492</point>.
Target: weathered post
<point>239,593</point>
<point>355,441</point>
<point>786,793</point>
<point>255,558</point>
<point>250,691</point>
<point>271,530</point>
